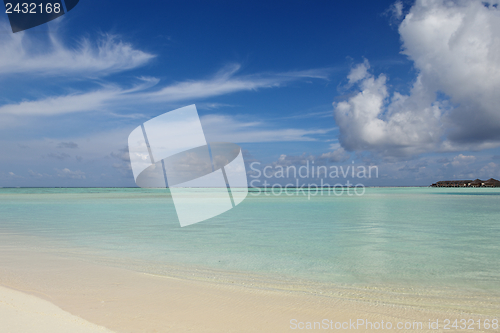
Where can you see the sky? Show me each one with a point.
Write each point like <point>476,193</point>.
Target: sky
<point>409,87</point>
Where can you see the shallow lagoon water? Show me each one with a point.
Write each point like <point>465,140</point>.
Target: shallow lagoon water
<point>422,237</point>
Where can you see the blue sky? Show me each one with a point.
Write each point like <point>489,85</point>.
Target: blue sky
<point>411,87</point>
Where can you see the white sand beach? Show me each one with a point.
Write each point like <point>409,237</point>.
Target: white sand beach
<point>128,301</point>
<point>23,313</point>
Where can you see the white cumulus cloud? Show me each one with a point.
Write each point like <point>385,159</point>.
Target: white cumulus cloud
<point>67,173</point>
<point>461,160</point>
<point>453,104</point>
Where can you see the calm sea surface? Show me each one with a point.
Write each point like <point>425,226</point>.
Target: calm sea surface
<point>428,237</point>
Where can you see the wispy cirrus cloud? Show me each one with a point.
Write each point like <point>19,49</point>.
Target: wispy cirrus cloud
<point>58,105</point>
<point>109,97</point>
<point>76,127</point>
<point>226,81</point>
<point>20,53</point>
<point>231,129</point>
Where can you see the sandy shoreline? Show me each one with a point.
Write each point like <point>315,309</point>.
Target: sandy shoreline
<point>21,313</point>
<point>127,301</point>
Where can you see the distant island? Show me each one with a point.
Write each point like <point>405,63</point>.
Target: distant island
<point>468,183</point>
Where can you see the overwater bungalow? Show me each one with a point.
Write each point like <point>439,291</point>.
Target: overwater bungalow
<point>468,183</point>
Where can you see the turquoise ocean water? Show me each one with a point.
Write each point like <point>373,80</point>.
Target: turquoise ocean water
<point>426,237</point>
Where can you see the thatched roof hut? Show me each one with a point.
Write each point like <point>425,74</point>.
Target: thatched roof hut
<point>476,183</point>
<point>491,183</point>
<point>467,183</point>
